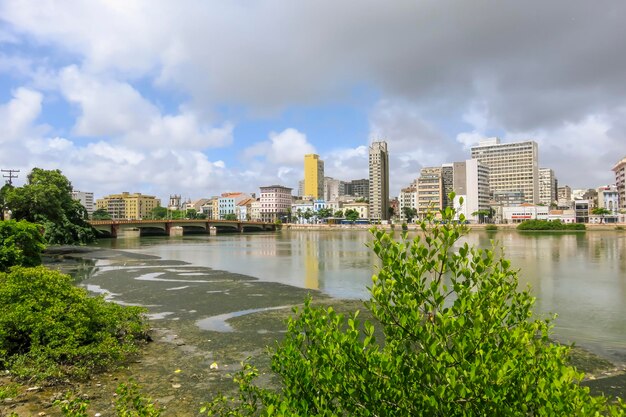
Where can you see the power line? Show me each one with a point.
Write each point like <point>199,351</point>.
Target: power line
<point>10,175</point>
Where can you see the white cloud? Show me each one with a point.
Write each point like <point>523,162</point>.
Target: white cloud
<point>116,109</point>
<point>18,115</point>
<point>285,148</point>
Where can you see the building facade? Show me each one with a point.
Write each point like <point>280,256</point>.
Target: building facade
<point>547,187</point>
<point>429,190</point>
<point>408,199</point>
<point>359,188</point>
<point>333,189</point>
<point>512,166</point>
<point>471,182</point>
<point>313,176</point>
<point>128,206</point>
<point>379,181</point>
<point>608,198</point>
<point>275,203</point>
<point>86,199</point>
<point>564,197</point>
<point>620,182</point>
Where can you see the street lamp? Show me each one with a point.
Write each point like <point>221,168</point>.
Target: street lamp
<point>7,213</point>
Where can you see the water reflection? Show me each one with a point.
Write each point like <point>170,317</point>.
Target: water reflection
<point>580,276</point>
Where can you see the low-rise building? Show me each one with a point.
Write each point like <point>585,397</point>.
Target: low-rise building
<point>608,198</point>
<point>526,211</point>
<point>361,207</point>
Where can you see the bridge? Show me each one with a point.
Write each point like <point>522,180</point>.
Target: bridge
<point>178,227</point>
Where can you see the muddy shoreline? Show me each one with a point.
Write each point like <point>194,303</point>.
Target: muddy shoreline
<point>193,353</point>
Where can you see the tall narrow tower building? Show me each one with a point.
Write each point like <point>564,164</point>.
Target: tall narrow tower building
<point>379,181</point>
<point>313,176</point>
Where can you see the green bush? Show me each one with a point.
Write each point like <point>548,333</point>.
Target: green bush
<point>491,228</point>
<point>452,336</point>
<point>50,329</point>
<point>549,225</point>
<point>21,244</point>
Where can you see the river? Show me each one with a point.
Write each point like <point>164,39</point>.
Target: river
<point>579,276</point>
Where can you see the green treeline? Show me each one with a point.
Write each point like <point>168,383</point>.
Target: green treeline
<point>549,225</point>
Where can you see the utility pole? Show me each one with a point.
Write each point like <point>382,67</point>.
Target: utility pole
<point>10,175</point>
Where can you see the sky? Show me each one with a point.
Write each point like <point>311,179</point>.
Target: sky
<point>200,97</point>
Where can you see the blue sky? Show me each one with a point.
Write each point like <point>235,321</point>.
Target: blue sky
<point>200,97</point>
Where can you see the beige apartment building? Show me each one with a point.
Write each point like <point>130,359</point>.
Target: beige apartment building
<point>620,182</point>
<point>429,190</point>
<point>547,187</point>
<point>379,181</point>
<point>128,206</point>
<point>512,166</point>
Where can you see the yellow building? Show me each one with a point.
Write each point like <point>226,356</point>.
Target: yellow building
<point>313,176</point>
<point>128,206</point>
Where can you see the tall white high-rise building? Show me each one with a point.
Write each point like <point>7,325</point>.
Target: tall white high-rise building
<point>379,181</point>
<point>620,181</point>
<point>471,182</point>
<point>512,166</point>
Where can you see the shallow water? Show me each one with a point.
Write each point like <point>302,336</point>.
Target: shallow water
<point>579,276</point>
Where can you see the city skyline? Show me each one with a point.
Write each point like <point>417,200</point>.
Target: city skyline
<point>163,98</point>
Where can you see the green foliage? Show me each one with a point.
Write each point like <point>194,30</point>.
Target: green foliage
<point>339,214</point>
<point>131,403</point>
<point>410,213</point>
<point>324,213</point>
<point>72,406</point>
<point>8,391</point>
<point>549,225</point>
<point>50,329</point>
<point>159,213</point>
<point>21,243</point>
<point>230,216</point>
<point>491,228</point>
<point>451,336</point>
<point>600,211</point>
<point>46,199</point>
<point>100,214</point>
<point>351,214</point>
<point>619,227</point>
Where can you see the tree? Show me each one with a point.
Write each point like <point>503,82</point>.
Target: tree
<point>308,213</point>
<point>451,336</point>
<point>410,213</point>
<point>351,214</point>
<point>600,211</point>
<point>159,213</point>
<point>324,213</point>
<point>47,199</point>
<point>192,213</point>
<point>100,214</point>
<point>21,243</point>
<point>482,215</point>
<point>339,213</point>
<point>391,211</point>
<point>230,216</point>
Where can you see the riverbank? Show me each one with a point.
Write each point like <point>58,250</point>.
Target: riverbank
<point>204,323</point>
<point>416,227</point>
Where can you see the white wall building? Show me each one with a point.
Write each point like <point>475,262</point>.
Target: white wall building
<point>275,202</point>
<point>512,166</point>
<point>547,186</point>
<point>407,198</point>
<point>525,212</point>
<point>86,199</point>
<point>471,182</point>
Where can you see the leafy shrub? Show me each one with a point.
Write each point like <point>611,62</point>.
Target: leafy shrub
<point>50,329</point>
<point>21,244</point>
<point>131,403</point>
<point>619,227</point>
<point>491,228</point>
<point>458,339</point>
<point>549,225</point>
